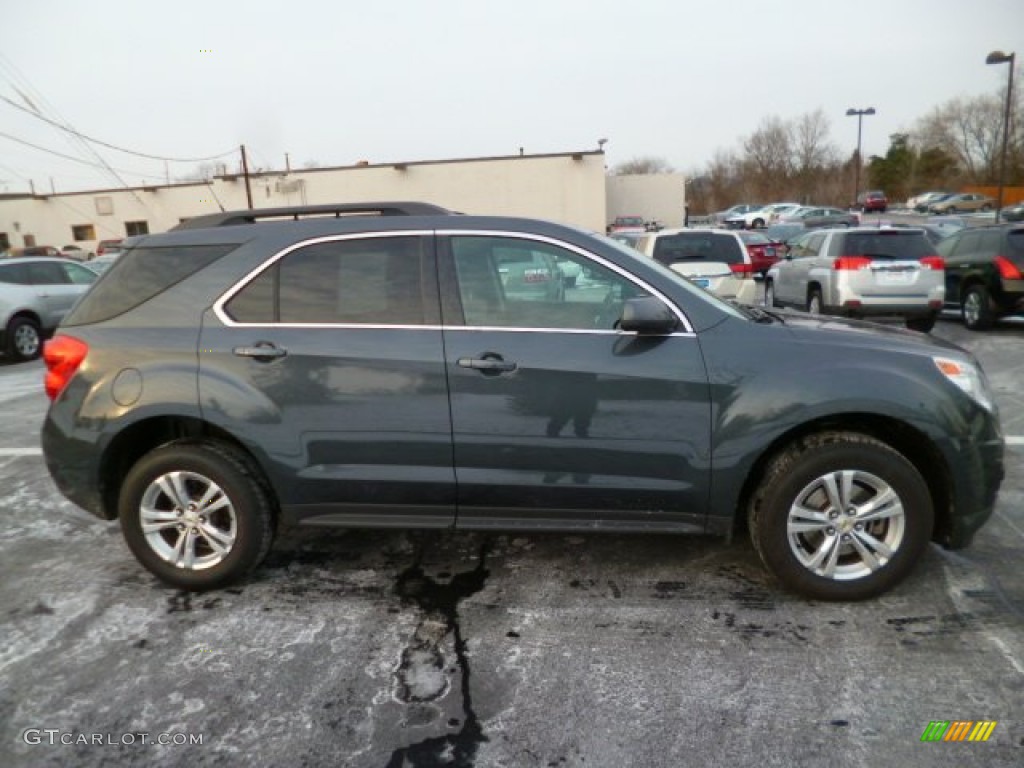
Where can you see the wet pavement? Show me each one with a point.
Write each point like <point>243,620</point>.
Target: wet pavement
<point>380,648</point>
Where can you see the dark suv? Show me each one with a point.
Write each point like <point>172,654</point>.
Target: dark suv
<point>984,273</point>
<point>369,366</point>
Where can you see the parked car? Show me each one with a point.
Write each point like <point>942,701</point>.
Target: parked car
<point>35,294</point>
<point>763,252</point>
<point>32,250</point>
<point>714,259</point>
<point>985,273</point>
<point>736,210</point>
<point>829,217</point>
<point>627,238</point>
<point>783,234</point>
<point>759,218</point>
<point>100,264</point>
<point>108,246</point>
<point>628,224</point>
<point>872,200</point>
<point>76,253</point>
<point>861,272</point>
<point>962,203</point>
<point>921,202</point>
<point>1013,212</point>
<point>239,375</point>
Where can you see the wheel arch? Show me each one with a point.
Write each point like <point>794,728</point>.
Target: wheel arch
<point>902,437</point>
<point>138,439</point>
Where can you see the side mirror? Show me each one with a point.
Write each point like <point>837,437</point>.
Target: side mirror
<point>647,315</point>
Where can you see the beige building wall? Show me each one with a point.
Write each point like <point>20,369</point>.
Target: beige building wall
<point>568,188</point>
<point>659,197</point>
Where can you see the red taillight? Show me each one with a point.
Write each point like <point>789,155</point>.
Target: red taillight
<point>742,270</point>
<point>852,262</point>
<point>1007,269</point>
<point>62,355</point>
<point>933,262</point>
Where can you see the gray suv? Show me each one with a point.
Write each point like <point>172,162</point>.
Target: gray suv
<point>35,294</point>
<point>374,366</point>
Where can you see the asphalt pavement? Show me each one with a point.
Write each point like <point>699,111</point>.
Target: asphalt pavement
<point>381,648</point>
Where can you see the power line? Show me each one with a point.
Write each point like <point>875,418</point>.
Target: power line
<point>80,135</point>
<point>72,159</point>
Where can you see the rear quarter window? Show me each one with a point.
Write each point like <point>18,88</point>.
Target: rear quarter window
<point>13,274</point>
<point>1015,246</point>
<point>140,274</point>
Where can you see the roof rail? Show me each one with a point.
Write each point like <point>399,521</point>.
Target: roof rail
<point>253,215</point>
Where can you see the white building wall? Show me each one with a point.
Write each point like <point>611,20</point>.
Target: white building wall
<point>659,197</point>
<point>569,188</point>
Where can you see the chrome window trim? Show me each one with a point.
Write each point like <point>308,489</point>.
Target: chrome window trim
<point>680,316</point>
<point>230,293</point>
<point>222,315</point>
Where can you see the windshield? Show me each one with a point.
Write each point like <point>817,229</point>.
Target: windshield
<point>675,277</point>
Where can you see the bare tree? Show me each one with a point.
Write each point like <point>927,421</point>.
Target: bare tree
<point>814,154</point>
<point>643,165</point>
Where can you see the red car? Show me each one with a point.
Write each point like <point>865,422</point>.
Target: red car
<point>763,252</point>
<point>874,200</point>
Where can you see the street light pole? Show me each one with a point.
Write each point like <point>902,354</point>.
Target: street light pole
<point>998,57</point>
<point>856,171</point>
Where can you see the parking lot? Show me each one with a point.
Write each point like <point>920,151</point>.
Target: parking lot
<point>384,648</point>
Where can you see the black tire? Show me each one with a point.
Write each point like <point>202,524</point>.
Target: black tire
<point>758,224</point>
<point>877,466</point>
<point>921,324</point>
<point>248,518</point>
<point>814,301</point>
<point>951,209</point>
<point>769,294</point>
<point>986,208</point>
<point>976,308</point>
<point>24,339</point>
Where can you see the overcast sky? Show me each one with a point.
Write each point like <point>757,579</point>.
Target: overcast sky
<point>343,81</point>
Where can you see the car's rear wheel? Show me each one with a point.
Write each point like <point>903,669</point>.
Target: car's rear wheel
<point>814,302</point>
<point>195,514</point>
<point>921,324</point>
<point>758,224</point>
<point>976,308</point>
<point>841,516</point>
<point>24,339</point>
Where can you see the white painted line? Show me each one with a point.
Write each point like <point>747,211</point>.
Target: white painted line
<point>1014,440</point>
<point>21,452</point>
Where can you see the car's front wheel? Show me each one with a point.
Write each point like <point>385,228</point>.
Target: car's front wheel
<point>24,339</point>
<point>769,293</point>
<point>195,514</point>
<point>841,516</point>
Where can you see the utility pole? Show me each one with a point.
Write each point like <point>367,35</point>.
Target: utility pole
<point>287,163</point>
<point>245,172</point>
<point>32,186</point>
<point>53,189</point>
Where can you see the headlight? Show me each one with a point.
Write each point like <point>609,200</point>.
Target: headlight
<point>969,378</point>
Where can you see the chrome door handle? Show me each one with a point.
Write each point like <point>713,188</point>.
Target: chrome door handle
<point>487,363</point>
<point>263,351</point>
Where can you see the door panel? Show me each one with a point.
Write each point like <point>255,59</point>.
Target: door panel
<point>329,365</point>
<point>558,420</point>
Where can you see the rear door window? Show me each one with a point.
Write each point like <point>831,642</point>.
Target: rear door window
<point>13,273</point>
<point>361,281</point>
<point>46,273</point>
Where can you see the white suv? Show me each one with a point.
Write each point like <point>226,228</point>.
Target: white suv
<point>715,259</point>
<point>861,272</point>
